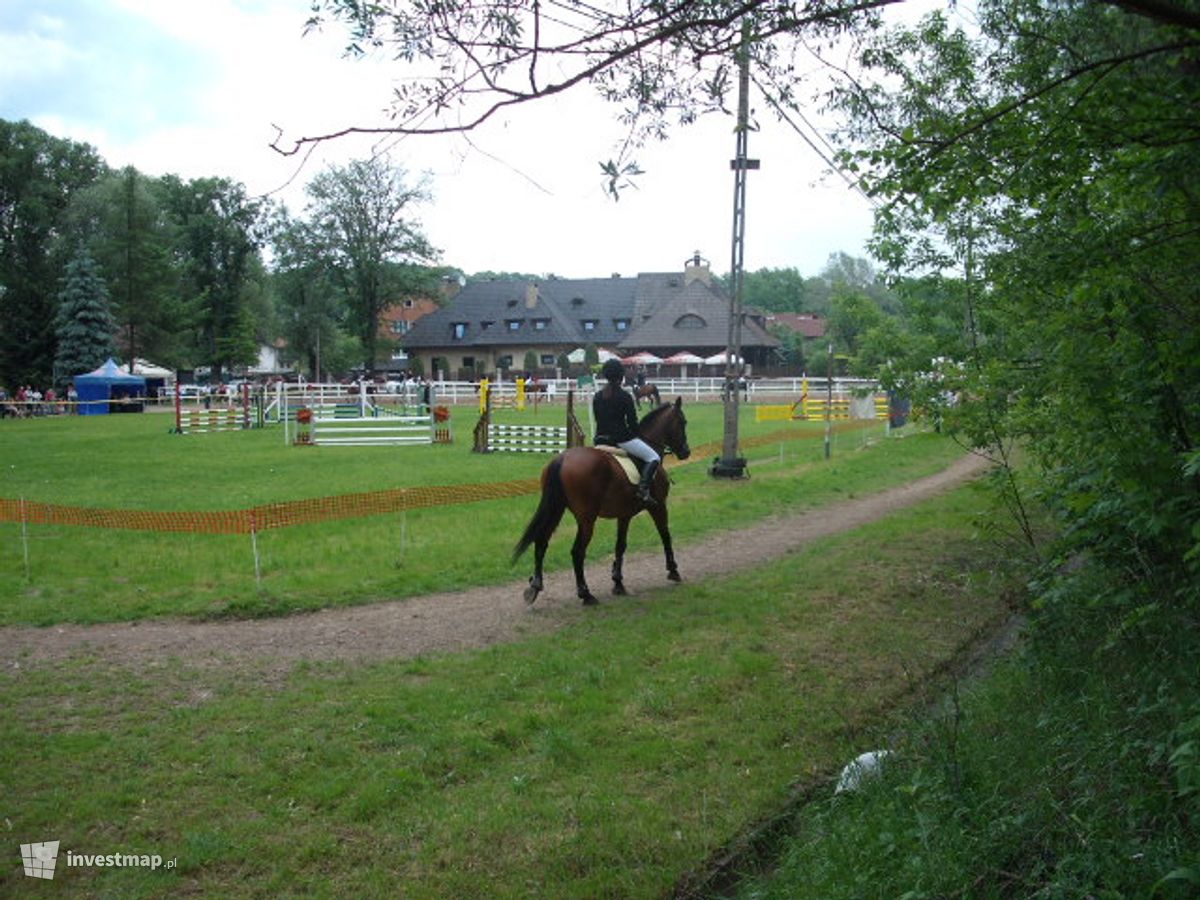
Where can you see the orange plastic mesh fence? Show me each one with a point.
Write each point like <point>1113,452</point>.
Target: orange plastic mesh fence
<point>318,509</point>
<point>261,518</point>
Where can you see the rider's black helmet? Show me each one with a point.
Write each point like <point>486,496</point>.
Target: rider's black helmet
<point>613,371</point>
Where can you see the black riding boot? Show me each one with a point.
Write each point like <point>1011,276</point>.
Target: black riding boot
<point>643,488</point>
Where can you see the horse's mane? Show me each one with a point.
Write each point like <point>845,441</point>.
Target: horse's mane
<point>649,417</point>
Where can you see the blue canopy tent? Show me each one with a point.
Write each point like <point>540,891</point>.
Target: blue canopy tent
<point>107,383</point>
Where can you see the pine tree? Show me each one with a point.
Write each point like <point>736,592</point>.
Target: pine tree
<point>85,325</point>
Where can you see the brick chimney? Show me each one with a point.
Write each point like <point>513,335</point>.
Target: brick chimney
<point>531,296</point>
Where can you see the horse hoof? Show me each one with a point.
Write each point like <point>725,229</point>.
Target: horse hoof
<point>589,599</point>
<point>530,594</point>
<point>673,576</point>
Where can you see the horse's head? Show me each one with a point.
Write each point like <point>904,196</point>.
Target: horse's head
<point>666,427</point>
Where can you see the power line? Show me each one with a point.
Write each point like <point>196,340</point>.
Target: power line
<point>851,182</point>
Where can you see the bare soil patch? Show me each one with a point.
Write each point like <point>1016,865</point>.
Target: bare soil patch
<point>459,620</point>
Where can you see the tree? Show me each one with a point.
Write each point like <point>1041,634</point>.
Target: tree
<point>308,305</point>
<point>661,63</point>
<point>372,251</point>
<point>84,324</point>
<point>130,238</point>
<point>851,316</point>
<point>776,290</point>
<point>217,242</point>
<point>39,175</point>
<point>845,274</point>
<point>1049,160</point>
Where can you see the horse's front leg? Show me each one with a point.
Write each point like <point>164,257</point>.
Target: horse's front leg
<point>583,537</point>
<point>618,558</point>
<point>659,513</point>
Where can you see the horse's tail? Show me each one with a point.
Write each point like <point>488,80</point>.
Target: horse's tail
<point>549,512</point>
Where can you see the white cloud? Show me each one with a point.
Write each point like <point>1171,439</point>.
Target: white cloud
<point>209,79</point>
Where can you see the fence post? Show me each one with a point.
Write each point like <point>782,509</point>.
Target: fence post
<point>254,547</point>
<point>25,541</point>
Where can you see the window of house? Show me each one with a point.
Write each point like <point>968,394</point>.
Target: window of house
<point>621,324</point>
<point>589,324</point>
<point>409,304</point>
<point>690,320</point>
<point>540,324</point>
<point>484,326</point>
<point>468,362</point>
<point>459,330</point>
<point>399,326</point>
<point>505,362</point>
<point>547,359</point>
<point>513,324</point>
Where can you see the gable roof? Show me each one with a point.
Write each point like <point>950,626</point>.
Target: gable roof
<point>628,313</point>
<point>544,312</point>
<point>693,315</point>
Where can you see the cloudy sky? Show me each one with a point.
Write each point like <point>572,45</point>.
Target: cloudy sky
<point>196,88</point>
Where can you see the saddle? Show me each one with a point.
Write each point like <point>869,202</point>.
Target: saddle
<point>631,466</point>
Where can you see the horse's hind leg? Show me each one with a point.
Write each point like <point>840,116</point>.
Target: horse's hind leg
<point>535,580</point>
<point>583,537</point>
<point>659,514</point>
<point>618,558</point>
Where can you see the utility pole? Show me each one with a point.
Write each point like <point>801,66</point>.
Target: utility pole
<point>730,465</point>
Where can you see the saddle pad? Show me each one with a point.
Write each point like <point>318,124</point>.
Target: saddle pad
<point>625,461</point>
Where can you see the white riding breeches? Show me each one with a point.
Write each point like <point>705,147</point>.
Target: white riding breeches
<point>640,449</point>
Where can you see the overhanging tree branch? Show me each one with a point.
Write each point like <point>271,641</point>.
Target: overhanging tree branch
<point>1160,11</point>
<point>479,53</point>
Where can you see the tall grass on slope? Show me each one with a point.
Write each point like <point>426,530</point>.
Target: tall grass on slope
<point>1072,771</point>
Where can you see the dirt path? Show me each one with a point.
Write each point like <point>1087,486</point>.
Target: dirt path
<point>450,621</point>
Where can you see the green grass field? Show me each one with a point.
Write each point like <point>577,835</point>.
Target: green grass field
<point>58,574</point>
<point>608,759</point>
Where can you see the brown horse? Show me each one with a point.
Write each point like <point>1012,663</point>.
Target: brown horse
<point>592,484</point>
<point>646,392</point>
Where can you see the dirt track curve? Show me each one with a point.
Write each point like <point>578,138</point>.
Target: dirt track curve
<point>451,621</point>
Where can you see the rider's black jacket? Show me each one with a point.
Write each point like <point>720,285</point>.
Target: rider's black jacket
<point>615,416</point>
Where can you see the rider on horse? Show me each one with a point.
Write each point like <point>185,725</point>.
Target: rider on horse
<point>616,425</point>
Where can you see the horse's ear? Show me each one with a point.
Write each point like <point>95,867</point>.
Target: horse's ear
<point>679,403</point>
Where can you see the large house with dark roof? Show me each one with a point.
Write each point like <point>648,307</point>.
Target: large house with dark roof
<point>490,326</point>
